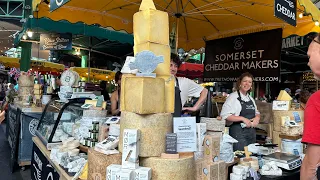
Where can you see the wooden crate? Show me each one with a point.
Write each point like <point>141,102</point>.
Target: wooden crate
<point>278,114</point>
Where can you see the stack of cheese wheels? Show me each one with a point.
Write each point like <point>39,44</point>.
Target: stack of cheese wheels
<point>147,104</point>
<point>26,86</point>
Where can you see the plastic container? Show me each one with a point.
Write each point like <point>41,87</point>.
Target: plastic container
<point>291,147</point>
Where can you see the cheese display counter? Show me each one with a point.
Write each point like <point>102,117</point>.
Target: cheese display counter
<point>21,125</point>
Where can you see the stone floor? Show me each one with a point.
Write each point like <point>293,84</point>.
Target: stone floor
<point>5,173</point>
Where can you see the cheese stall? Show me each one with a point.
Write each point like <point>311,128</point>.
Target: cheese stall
<point>75,139</point>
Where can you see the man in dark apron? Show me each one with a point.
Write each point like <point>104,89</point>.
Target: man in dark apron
<point>185,88</point>
<point>244,136</point>
<point>177,100</point>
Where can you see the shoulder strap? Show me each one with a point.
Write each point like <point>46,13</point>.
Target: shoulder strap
<point>177,82</point>
<point>239,95</point>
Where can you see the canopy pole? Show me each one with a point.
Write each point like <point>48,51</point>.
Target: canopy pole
<point>89,59</point>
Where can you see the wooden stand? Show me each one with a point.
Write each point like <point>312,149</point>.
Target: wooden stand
<point>294,138</point>
<point>247,153</point>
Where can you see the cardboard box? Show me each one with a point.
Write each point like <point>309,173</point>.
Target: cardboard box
<point>214,171</point>
<point>126,174</point>
<point>201,132</point>
<point>113,171</point>
<point>212,148</point>
<point>200,165</point>
<point>131,147</point>
<point>142,173</point>
<point>281,105</point>
<point>278,116</point>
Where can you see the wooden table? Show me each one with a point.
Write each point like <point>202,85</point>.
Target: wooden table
<point>46,153</point>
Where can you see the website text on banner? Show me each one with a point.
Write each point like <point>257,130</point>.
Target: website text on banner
<point>257,53</point>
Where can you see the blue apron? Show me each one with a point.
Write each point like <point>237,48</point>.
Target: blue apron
<point>244,136</point>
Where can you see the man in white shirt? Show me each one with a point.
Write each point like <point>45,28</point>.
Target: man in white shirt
<point>185,88</point>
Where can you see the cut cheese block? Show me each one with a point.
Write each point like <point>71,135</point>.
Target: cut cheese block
<point>173,169</point>
<point>159,50</point>
<point>98,163</point>
<point>94,103</point>
<point>169,93</point>
<point>37,86</point>
<point>94,113</point>
<point>153,129</point>
<point>284,96</point>
<point>151,26</point>
<point>147,4</point>
<point>142,95</point>
<point>213,124</point>
<point>38,91</point>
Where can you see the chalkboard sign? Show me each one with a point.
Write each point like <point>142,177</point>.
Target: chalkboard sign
<point>41,167</point>
<point>171,143</point>
<point>13,134</point>
<point>55,42</point>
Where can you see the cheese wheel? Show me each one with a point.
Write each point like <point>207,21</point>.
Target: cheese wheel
<point>153,129</point>
<point>25,80</point>
<point>68,78</point>
<point>173,169</point>
<point>98,163</point>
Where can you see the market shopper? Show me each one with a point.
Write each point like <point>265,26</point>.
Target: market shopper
<point>311,132</point>
<point>240,108</point>
<point>115,96</point>
<point>185,88</point>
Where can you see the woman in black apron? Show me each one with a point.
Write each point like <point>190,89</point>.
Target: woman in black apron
<point>242,113</point>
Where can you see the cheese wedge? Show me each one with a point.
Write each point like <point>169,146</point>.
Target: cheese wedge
<point>169,93</point>
<point>159,50</point>
<point>142,95</point>
<point>151,26</point>
<point>284,96</point>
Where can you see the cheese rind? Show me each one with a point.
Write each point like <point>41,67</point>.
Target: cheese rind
<point>169,93</point>
<point>142,95</point>
<point>151,26</point>
<point>173,169</point>
<point>98,163</point>
<point>153,129</point>
<point>159,50</point>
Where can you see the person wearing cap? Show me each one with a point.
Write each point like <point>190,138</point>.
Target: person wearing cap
<point>185,88</point>
<point>311,131</point>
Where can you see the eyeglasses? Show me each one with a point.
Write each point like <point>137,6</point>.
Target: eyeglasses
<point>312,38</point>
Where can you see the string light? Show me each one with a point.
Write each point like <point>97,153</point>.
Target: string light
<point>30,33</point>
<point>316,23</point>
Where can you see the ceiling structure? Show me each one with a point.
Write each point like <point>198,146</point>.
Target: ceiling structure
<point>7,30</point>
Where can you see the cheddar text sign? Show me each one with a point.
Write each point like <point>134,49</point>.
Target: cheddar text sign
<point>286,10</point>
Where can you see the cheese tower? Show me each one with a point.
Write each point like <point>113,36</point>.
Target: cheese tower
<point>151,32</point>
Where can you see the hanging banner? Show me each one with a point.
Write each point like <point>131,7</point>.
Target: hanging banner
<point>55,41</point>
<point>55,4</point>
<point>286,10</point>
<point>258,53</point>
<point>294,41</point>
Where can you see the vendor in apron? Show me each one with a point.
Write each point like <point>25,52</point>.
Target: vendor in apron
<point>115,96</point>
<point>241,112</point>
<point>185,88</point>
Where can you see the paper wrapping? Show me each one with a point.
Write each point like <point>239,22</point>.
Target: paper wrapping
<point>278,114</point>
<point>153,129</point>
<point>94,113</point>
